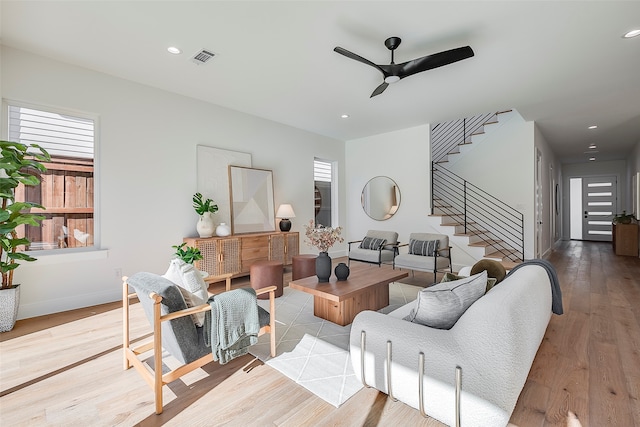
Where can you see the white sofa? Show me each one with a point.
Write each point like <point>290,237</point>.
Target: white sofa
<point>494,342</point>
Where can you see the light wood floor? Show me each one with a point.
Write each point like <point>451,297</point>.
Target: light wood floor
<point>66,369</point>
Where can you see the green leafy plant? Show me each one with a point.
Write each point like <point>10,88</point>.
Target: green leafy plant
<point>624,218</point>
<point>202,206</point>
<point>19,164</point>
<point>188,254</point>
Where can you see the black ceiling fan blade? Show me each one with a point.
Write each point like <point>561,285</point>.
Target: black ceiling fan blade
<point>379,89</point>
<point>436,60</point>
<point>359,58</point>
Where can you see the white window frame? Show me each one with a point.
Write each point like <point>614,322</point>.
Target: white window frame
<point>96,171</point>
<point>335,217</point>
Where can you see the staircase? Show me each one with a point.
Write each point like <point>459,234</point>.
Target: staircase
<point>484,221</point>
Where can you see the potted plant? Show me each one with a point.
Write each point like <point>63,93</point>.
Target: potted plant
<point>204,208</point>
<point>188,254</point>
<point>624,218</point>
<point>19,164</point>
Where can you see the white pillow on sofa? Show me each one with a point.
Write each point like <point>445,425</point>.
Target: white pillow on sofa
<point>189,279</point>
<point>440,306</point>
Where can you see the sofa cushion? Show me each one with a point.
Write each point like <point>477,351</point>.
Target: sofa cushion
<point>423,247</point>
<point>440,306</point>
<point>187,277</point>
<point>372,243</point>
<point>450,277</point>
<point>420,263</point>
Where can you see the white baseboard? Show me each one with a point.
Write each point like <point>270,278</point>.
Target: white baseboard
<point>58,305</point>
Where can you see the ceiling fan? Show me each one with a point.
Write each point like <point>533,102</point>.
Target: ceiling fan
<point>395,72</point>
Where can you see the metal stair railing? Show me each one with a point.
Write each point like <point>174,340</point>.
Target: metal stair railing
<point>447,136</point>
<point>492,221</point>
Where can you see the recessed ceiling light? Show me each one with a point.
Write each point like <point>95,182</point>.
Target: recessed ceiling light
<point>592,146</point>
<point>345,116</point>
<point>632,33</point>
<point>593,127</point>
<point>592,159</point>
<point>174,50</point>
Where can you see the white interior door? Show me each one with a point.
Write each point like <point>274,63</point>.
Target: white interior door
<point>599,197</point>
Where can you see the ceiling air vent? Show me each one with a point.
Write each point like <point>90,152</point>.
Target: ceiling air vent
<point>203,56</point>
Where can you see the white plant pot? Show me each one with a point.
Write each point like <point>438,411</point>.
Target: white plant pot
<point>9,302</point>
<point>205,226</point>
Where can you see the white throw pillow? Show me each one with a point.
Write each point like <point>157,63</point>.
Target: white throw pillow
<point>440,306</point>
<point>187,277</point>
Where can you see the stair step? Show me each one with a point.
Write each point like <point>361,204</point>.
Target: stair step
<point>456,224</point>
<point>508,265</point>
<point>478,133</point>
<point>493,122</point>
<point>501,255</point>
<point>442,161</point>
<point>504,112</point>
<point>471,233</point>
<point>484,243</point>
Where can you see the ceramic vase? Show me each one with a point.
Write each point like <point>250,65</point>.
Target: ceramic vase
<point>205,226</point>
<point>323,267</point>
<point>342,271</point>
<point>223,230</point>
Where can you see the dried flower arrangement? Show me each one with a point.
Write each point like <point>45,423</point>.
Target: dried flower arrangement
<point>322,237</point>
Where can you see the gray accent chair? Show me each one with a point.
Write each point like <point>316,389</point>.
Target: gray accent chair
<point>174,330</point>
<point>385,254</point>
<point>437,263</point>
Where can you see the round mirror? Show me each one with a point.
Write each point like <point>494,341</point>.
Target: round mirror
<point>380,198</point>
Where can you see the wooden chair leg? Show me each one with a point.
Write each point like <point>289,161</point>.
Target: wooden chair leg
<point>157,355</point>
<point>125,323</point>
<point>272,322</point>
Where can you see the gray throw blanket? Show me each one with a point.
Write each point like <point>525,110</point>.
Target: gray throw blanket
<point>556,293</point>
<point>232,324</point>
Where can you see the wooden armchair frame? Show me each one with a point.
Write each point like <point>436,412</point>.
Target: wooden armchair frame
<point>153,375</point>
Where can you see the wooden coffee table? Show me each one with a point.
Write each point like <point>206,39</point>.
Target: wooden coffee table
<point>339,302</point>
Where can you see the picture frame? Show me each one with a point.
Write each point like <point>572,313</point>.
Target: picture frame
<point>251,200</point>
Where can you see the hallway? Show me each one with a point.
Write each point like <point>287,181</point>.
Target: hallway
<point>589,361</point>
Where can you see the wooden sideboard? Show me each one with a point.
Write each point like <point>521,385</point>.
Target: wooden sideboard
<point>625,239</point>
<point>235,254</point>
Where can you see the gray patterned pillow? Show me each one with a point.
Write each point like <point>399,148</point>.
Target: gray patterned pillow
<point>423,247</point>
<point>440,306</point>
<point>372,243</point>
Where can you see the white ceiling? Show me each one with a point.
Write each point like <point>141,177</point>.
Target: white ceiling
<point>563,65</point>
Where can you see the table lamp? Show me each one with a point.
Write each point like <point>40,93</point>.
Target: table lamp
<point>285,212</point>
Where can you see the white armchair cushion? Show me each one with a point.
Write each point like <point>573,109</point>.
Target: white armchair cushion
<point>440,306</point>
<point>189,279</point>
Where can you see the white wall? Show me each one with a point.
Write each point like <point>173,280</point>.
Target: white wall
<point>551,227</point>
<point>633,167</point>
<point>405,157</point>
<point>504,166</point>
<point>616,168</point>
<point>147,173</point>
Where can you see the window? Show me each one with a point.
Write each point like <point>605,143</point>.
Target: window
<point>323,179</point>
<point>66,189</point>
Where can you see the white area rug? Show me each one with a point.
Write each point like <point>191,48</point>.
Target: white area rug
<point>314,352</point>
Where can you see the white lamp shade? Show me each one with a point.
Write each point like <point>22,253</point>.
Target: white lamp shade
<point>285,211</point>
